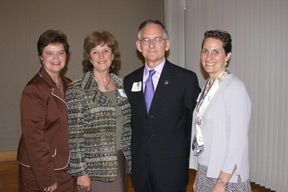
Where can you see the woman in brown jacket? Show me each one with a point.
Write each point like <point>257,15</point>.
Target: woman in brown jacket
<point>43,152</point>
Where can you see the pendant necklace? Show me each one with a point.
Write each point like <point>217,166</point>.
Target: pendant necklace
<point>105,86</point>
<point>59,85</point>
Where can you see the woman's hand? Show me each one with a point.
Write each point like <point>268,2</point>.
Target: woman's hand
<point>84,182</point>
<point>219,187</point>
<point>51,188</point>
<point>194,184</point>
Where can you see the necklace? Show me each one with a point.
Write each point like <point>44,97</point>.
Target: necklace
<point>105,86</point>
<point>59,85</point>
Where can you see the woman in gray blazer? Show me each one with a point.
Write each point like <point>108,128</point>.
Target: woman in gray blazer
<point>219,147</point>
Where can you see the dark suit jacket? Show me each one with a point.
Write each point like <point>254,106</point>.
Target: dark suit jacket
<point>161,140</point>
<point>44,119</point>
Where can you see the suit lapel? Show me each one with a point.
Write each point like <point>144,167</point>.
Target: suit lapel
<point>53,88</point>
<point>163,84</point>
<point>139,94</point>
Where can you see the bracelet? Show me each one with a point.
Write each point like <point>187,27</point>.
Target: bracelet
<point>220,180</point>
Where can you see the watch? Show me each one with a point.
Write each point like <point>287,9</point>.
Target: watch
<point>220,180</point>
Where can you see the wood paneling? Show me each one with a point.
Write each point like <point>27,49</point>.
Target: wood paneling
<point>8,156</point>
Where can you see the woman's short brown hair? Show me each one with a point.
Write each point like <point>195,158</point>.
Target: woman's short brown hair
<point>101,38</point>
<point>223,36</point>
<point>50,37</point>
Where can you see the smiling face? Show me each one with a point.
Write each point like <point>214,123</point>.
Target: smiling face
<point>101,57</point>
<point>213,57</point>
<point>152,53</point>
<point>53,58</point>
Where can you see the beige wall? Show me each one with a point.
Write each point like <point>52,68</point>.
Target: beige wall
<point>22,21</point>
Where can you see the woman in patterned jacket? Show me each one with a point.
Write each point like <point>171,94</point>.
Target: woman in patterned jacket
<point>99,119</point>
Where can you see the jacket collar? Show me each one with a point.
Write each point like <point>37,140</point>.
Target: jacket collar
<point>165,79</point>
<point>89,82</point>
<point>52,85</point>
<point>46,77</point>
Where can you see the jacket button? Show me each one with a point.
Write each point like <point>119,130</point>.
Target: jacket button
<point>147,154</point>
<point>152,135</point>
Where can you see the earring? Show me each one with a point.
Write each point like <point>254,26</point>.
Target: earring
<point>226,63</point>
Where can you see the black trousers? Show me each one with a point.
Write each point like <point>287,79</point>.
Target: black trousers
<point>151,187</point>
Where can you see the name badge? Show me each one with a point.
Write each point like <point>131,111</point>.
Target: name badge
<point>137,86</point>
<point>122,93</point>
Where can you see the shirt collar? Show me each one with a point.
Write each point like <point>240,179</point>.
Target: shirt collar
<point>158,69</point>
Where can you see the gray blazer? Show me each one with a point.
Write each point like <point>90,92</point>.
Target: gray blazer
<point>226,120</point>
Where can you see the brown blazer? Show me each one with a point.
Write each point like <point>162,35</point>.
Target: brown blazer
<point>43,146</point>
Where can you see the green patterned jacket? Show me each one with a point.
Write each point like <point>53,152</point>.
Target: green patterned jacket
<point>92,129</point>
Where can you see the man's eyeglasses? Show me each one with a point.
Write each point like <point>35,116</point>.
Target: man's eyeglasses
<point>156,40</point>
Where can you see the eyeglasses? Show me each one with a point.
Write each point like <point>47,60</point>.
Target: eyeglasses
<point>156,41</point>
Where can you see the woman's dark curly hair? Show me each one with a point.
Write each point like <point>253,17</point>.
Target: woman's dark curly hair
<point>50,37</point>
<point>223,36</point>
<point>101,38</point>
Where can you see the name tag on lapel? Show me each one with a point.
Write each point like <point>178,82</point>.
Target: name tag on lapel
<point>122,93</point>
<point>137,86</point>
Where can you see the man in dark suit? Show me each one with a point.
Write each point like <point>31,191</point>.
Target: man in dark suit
<point>160,130</point>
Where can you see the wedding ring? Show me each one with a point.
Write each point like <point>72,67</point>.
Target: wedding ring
<point>81,187</point>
